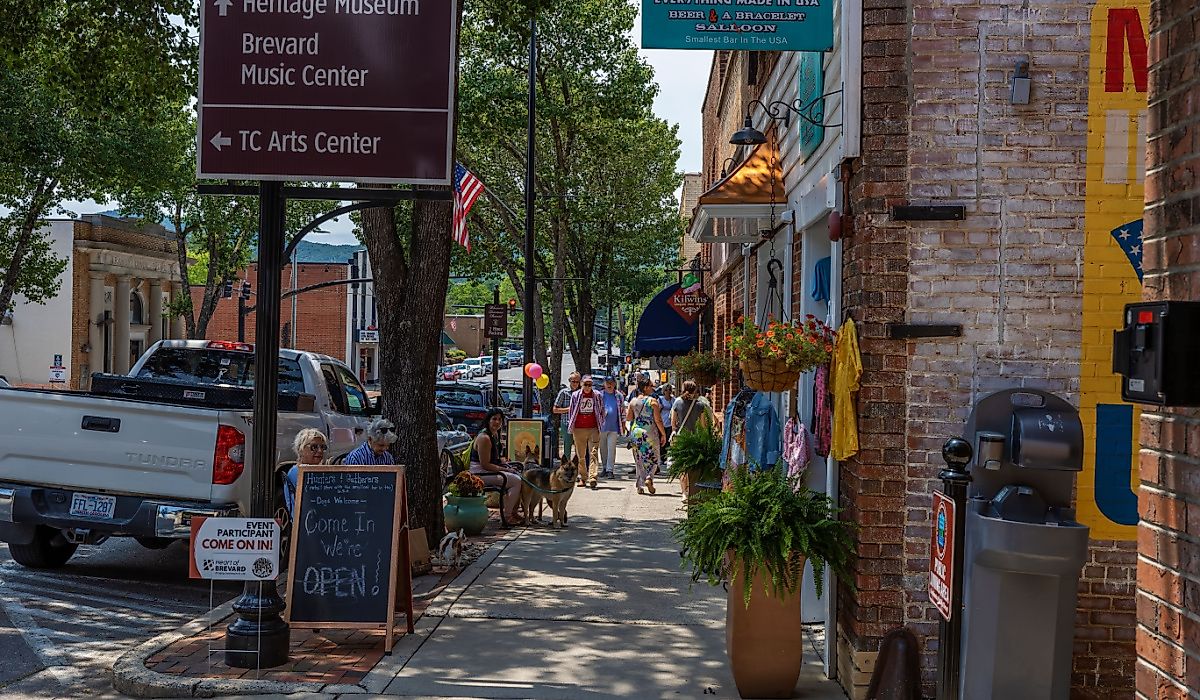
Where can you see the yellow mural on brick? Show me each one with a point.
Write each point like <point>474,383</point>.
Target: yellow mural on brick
<point>1112,261</point>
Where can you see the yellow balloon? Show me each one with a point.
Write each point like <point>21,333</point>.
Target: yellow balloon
<point>542,382</point>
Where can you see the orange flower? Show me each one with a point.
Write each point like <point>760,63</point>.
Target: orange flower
<point>789,336</point>
<point>770,334</point>
<point>729,339</point>
<point>828,347</point>
<point>761,343</point>
<point>775,348</point>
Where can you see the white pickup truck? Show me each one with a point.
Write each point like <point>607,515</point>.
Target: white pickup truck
<point>139,455</point>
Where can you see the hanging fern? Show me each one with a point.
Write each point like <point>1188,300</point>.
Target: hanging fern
<point>766,522</point>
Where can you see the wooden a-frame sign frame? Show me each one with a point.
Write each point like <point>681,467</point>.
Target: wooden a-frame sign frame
<point>400,546</point>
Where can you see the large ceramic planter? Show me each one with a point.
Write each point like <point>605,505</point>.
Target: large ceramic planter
<point>765,641</point>
<point>768,374</point>
<point>468,513</point>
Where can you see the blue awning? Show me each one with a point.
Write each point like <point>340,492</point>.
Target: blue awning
<point>662,330</point>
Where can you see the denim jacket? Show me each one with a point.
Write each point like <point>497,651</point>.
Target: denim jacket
<point>763,433</point>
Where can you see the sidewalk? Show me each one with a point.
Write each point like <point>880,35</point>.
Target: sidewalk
<point>599,610</point>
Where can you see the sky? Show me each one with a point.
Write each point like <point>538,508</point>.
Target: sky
<point>682,77</point>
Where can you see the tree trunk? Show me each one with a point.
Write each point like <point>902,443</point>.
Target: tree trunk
<point>181,254</point>
<point>410,300</point>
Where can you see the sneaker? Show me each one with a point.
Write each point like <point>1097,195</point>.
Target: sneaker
<point>650,486</point>
<point>606,475</point>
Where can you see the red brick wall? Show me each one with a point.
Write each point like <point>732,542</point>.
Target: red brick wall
<point>1168,597</point>
<point>321,314</point>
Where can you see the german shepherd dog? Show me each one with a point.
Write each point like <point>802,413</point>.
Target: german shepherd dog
<point>561,479</point>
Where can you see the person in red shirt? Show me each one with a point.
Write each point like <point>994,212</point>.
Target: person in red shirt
<point>583,422</point>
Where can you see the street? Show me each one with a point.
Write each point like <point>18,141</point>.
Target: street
<point>60,630</point>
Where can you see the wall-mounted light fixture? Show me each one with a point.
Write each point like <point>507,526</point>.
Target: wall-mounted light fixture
<point>779,111</point>
<point>1020,84</point>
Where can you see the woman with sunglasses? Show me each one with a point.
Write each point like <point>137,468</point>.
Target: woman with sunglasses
<point>310,447</point>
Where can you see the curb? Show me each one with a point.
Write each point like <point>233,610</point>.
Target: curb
<point>131,677</point>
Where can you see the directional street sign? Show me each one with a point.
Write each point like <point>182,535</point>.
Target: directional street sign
<point>327,90</point>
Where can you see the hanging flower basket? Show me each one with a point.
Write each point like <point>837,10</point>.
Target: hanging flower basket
<point>705,368</point>
<point>773,358</point>
<point>768,373</point>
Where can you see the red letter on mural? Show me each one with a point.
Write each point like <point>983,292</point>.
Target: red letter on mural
<point>1125,23</point>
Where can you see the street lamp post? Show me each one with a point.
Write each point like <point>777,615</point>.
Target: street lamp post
<point>526,380</point>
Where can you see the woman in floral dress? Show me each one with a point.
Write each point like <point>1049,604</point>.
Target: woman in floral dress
<point>646,433</point>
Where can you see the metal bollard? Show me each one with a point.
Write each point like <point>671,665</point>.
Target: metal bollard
<point>955,479</point>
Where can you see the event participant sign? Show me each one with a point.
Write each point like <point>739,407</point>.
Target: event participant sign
<point>234,549</point>
<point>349,527</point>
<point>743,25</point>
<point>356,90</point>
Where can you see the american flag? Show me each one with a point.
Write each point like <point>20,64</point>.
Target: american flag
<point>1129,237</point>
<point>467,189</point>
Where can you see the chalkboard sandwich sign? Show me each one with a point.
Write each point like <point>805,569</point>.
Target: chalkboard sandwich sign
<point>350,525</point>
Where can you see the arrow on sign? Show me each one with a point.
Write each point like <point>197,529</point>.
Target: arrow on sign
<point>218,140</point>
<point>223,9</point>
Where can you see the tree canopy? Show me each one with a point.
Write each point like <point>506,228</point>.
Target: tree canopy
<point>606,214</point>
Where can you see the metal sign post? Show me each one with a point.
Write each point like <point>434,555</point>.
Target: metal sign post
<point>495,326</point>
<point>955,480</point>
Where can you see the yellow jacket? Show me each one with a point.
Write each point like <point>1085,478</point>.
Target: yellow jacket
<point>844,373</point>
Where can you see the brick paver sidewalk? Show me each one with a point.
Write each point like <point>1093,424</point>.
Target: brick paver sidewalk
<point>317,656</point>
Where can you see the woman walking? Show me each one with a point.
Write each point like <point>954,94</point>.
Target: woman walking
<point>646,434</point>
<point>691,409</point>
<point>488,465</point>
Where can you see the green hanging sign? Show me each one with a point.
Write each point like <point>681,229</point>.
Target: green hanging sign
<point>742,25</point>
<point>810,86</point>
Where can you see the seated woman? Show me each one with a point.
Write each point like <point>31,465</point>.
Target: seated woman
<point>310,446</point>
<point>488,465</point>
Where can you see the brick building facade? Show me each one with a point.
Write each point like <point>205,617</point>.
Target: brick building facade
<point>1036,274</point>
<point>321,315</point>
<point>1168,597</point>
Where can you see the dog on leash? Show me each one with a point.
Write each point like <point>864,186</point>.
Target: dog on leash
<point>560,483</point>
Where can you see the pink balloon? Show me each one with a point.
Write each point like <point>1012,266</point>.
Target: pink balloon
<point>535,370</point>
<point>529,370</point>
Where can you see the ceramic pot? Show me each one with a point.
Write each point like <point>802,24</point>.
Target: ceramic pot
<point>466,512</point>
<point>768,374</point>
<point>765,641</point>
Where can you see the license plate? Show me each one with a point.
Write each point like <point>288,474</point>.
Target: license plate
<point>91,505</point>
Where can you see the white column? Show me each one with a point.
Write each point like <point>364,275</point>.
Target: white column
<point>121,325</point>
<point>95,314</point>
<point>156,310</point>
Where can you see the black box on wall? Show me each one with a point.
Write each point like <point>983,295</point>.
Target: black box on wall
<point>1157,353</point>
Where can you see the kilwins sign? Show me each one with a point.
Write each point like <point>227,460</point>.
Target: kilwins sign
<point>689,300</point>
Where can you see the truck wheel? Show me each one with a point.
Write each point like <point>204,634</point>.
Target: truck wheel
<point>47,551</point>
<point>154,542</point>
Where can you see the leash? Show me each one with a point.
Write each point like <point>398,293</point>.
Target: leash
<point>535,487</point>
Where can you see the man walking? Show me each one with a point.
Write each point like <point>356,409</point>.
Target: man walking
<point>562,406</point>
<point>612,427</point>
<point>584,419</point>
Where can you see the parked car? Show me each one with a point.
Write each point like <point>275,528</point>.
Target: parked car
<point>476,365</point>
<point>463,369</point>
<point>3,382</point>
<point>466,403</point>
<point>513,392</point>
<point>449,373</point>
<point>487,364</point>
<point>454,443</point>
<point>502,361</point>
<point>140,454</point>
<point>515,358</point>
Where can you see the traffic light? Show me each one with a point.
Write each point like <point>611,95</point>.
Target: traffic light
<point>228,293</point>
<point>246,289</point>
<point>512,305</point>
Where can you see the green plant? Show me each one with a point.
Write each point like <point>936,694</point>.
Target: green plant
<point>802,345</point>
<point>697,452</point>
<point>465,484</point>
<point>456,355</point>
<point>765,522</point>
<point>702,364</point>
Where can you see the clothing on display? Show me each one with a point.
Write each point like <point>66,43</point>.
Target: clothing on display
<point>796,447</point>
<point>822,412</point>
<point>845,374</point>
<point>821,272</point>
<point>752,431</point>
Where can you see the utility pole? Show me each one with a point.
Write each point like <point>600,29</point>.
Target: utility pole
<point>496,354</point>
<point>527,387</point>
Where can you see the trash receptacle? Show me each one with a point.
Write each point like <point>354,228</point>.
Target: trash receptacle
<point>1023,549</point>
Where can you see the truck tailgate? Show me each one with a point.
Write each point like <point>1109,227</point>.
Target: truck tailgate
<point>107,445</point>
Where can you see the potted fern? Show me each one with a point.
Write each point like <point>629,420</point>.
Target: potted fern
<point>695,458</point>
<point>705,368</point>
<point>757,535</point>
